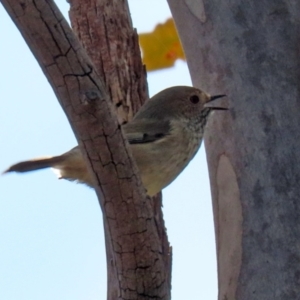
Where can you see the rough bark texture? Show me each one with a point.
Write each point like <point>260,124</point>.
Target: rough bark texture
<point>105,31</point>
<point>139,263</point>
<point>251,52</point>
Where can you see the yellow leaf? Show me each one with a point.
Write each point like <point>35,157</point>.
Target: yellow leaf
<point>161,47</point>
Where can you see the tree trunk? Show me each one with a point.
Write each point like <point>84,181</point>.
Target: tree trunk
<point>137,248</point>
<point>251,52</point>
<point>115,52</point>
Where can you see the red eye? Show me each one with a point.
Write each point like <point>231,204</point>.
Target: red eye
<point>194,99</point>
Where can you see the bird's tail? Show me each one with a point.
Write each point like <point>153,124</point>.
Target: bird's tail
<point>34,164</point>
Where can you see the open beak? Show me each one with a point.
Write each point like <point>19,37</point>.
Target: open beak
<point>212,98</point>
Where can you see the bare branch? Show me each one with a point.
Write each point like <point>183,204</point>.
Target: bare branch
<point>106,32</point>
<point>137,257</point>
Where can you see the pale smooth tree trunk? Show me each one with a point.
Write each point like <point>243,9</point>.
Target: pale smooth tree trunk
<point>251,52</point>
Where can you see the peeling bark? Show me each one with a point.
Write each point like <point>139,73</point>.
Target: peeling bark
<point>106,32</point>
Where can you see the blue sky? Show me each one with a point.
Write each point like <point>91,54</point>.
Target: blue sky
<point>51,230</point>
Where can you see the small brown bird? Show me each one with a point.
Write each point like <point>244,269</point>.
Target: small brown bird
<point>164,136</point>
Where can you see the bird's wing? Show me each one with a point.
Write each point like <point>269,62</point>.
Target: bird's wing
<point>144,131</point>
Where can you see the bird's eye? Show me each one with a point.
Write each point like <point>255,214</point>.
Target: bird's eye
<point>194,99</point>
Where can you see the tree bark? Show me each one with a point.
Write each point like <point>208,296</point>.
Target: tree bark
<point>251,53</point>
<point>139,263</point>
<point>106,33</point>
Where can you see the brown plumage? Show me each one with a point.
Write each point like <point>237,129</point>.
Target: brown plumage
<point>164,136</point>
